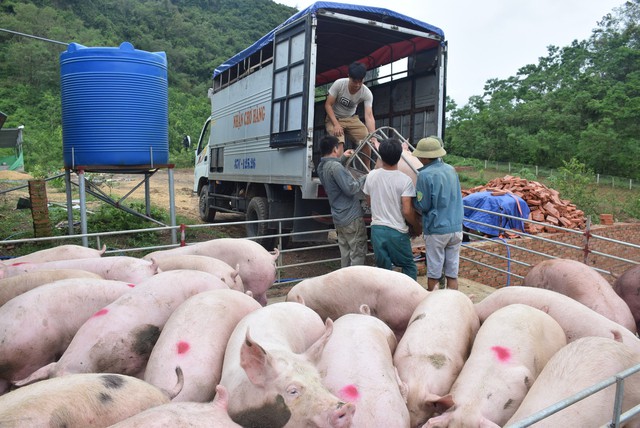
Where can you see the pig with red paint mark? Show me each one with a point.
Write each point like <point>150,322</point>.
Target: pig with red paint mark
<point>61,252</point>
<point>16,285</point>
<point>193,415</point>
<point>575,318</point>
<point>188,341</point>
<point>118,268</point>
<point>269,371</point>
<point>357,366</point>
<point>510,350</point>
<point>391,296</point>
<point>119,337</point>
<point>257,266</point>
<point>216,267</point>
<point>433,349</point>
<point>578,366</point>
<point>37,326</point>
<point>627,286</point>
<point>81,400</point>
<point>583,284</point>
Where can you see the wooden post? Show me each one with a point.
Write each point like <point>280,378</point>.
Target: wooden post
<point>39,208</point>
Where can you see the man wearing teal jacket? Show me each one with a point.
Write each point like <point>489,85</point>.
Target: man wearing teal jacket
<point>439,199</point>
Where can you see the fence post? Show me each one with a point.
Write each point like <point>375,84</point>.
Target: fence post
<point>536,171</point>
<point>630,184</point>
<point>598,178</point>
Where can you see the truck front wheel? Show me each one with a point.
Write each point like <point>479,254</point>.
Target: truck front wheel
<point>205,211</point>
<point>258,209</point>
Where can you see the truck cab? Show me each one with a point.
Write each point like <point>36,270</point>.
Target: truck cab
<point>258,150</point>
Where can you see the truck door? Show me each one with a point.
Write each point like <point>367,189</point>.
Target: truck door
<point>291,82</point>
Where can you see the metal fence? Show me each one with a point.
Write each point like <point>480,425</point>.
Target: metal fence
<point>538,171</point>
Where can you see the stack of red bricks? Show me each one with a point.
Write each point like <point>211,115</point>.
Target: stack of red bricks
<point>545,203</point>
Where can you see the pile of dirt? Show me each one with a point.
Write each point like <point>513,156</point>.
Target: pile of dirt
<point>545,203</point>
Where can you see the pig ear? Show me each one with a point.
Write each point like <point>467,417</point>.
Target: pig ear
<point>444,403</point>
<point>222,397</point>
<point>40,374</point>
<point>404,388</point>
<point>365,309</point>
<point>314,352</point>
<point>255,361</point>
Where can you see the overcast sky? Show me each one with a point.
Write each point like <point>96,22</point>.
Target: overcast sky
<point>494,38</point>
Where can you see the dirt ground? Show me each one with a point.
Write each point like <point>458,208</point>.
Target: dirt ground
<point>119,185</point>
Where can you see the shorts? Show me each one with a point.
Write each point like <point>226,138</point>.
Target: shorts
<point>443,254</point>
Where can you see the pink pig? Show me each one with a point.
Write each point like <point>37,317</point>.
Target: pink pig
<point>119,337</point>
<point>583,284</point>
<point>578,366</point>
<point>193,415</point>
<point>357,366</point>
<point>269,373</point>
<point>576,319</point>
<point>627,286</point>
<point>81,400</point>
<point>119,268</point>
<point>510,350</point>
<point>61,252</point>
<point>391,296</point>
<point>38,325</point>
<point>434,348</point>
<point>16,285</point>
<point>215,267</point>
<point>257,266</point>
<point>188,341</point>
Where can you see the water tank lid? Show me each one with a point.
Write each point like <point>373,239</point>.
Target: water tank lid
<point>75,50</point>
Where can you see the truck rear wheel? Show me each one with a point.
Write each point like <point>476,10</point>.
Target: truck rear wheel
<point>258,209</point>
<point>205,211</point>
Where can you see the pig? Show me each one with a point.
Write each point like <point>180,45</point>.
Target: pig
<point>119,268</point>
<point>195,337</point>
<point>627,286</point>
<point>434,348</point>
<point>216,267</point>
<point>583,284</point>
<point>510,350</point>
<point>367,376</point>
<point>391,296</point>
<point>575,318</point>
<point>257,266</point>
<point>16,285</point>
<point>194,415</point>
<point>578,366</point>
<point>37,326</point>
<point>80,400</point>
<point>269,370</point>
<point>61,252</point>
<point>119,337</point>
<point>409,164</point>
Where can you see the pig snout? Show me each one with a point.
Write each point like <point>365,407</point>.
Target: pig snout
<point>342,415</point>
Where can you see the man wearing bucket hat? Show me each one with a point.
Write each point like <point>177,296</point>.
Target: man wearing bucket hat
<point>439,199</point>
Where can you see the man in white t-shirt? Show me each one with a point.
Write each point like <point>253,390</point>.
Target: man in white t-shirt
<point>344,97</point>
<point>390,193</point>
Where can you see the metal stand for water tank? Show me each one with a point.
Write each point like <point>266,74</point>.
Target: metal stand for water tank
<point>85,187</point>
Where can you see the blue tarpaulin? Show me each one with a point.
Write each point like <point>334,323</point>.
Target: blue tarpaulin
<point>509,204</point>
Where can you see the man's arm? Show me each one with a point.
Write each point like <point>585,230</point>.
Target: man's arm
<point>369,119</point>
<point>410,215</point>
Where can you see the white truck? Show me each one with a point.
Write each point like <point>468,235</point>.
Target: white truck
<point>258,150</point>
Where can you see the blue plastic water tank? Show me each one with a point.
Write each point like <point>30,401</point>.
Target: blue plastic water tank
<point>115,108</point>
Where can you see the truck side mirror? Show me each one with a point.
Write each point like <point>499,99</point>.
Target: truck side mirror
<point>186,142</point>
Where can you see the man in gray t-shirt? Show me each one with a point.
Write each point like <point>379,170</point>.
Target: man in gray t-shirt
<point>344,97</point>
